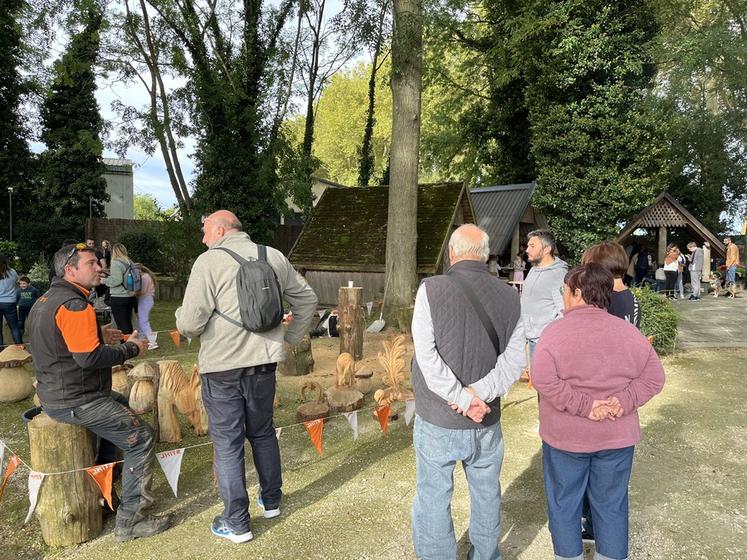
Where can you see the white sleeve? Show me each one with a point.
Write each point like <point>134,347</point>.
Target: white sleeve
<point>507,370</point>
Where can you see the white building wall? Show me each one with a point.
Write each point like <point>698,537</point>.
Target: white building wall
<point>120,186</point>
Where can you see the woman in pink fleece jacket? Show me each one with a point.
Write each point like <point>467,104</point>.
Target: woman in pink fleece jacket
<point>593,371</point>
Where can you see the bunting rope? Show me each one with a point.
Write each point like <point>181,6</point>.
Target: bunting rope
<point>331,417</point>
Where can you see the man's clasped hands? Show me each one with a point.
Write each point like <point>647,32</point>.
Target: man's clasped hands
<point>605,409</point>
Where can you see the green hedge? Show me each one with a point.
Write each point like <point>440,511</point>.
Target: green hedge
<point>658,319</point>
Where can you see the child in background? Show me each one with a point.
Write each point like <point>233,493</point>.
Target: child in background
<point>26,298</point>
<point>145,299</point>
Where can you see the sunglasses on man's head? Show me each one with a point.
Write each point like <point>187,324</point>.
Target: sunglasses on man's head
<point>74,249</point>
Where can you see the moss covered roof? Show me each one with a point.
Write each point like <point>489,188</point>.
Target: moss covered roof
<point>347,229</point>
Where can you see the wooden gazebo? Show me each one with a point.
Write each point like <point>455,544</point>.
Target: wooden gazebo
<point>666,213</point>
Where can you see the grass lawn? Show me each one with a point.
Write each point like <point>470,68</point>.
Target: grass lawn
<point>688,491</point>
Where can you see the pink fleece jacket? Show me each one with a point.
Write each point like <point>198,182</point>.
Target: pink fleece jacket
<point>587,355</point>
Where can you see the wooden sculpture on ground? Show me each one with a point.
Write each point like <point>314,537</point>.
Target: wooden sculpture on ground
<point>342,397</point>
<point>312,410</point>
<point>16,382</point>
<point>142,392</point>
<point>393,361</point>
<point>196,383</point>
<point>175,389</point>
<point>299,359</point>
<point>120,383</point>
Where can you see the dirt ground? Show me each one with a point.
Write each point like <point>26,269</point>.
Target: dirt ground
<point>688,491</point>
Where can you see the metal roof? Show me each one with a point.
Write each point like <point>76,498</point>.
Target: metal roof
<point>498,210</point>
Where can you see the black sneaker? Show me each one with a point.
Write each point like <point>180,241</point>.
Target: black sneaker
<point>586,536</point>
<point>140,526</point>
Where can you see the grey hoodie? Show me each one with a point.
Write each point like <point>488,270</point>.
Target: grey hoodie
<point>542,297</point>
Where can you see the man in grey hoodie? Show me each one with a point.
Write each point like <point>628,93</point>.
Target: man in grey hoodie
<point>542,294</point>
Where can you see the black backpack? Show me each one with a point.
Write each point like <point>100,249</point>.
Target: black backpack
<point>260,297</point>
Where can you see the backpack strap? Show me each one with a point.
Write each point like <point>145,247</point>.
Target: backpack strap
<point>241,260</point>
<point>238,258</point>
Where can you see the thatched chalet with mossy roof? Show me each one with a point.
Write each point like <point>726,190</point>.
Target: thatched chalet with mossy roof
<point>345,238</point>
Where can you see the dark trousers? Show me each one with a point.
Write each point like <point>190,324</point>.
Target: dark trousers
<point>669,283</point>
<point>603,476</point>
<point>8,310</point>
<point>23,313</point>
<point>239,407</point>
<point>122,309</point>
<point>115,423</point>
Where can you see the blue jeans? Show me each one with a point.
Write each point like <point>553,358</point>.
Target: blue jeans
<point>603,476</point>
<point>437,451</point>
<point>239,407</point>
<point>114,422</point>
<point>10,312</point>
<point>731,274</point>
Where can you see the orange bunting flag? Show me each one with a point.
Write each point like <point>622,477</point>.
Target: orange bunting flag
<point>176,337</point>
<point>102,475</point>
<point>383,413</point>
<point>315,428</point>
<point>13,462</point>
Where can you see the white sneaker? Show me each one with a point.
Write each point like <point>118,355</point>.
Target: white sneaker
<point>268,513</point>
<point>153,346</point>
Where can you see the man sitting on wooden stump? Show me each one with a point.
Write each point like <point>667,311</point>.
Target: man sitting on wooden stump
<point>73,361</point>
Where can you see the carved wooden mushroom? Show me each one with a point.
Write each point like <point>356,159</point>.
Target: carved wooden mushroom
<point>16,382</point>
<point>142,392</point>
<point>342,397</point>
<point>120,383</point>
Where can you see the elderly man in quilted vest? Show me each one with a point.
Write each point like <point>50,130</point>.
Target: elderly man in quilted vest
<point>469,349</point>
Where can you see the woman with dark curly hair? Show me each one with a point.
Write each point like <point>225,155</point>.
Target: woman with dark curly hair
<point>593,372</point>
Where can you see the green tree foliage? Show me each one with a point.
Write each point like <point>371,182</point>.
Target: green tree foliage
<point>340,122</point>
<point>14,154</point>
<point>71,172</point>
<point>703,83</point>
<point>595,143</point>
<point>147,208</point>
<point>227,55</point>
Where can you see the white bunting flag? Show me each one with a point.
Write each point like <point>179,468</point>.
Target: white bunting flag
<point>321,313</point>
<point>189,341</point>
<point>353,421</point>
<point>369,307</point>
<point>409,411</point>
<point>171,464</point>
<point>35,481</point>
<point>278,431</point>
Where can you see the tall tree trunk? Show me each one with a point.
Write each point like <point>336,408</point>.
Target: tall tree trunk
<point>401,239</point>
<point>308,134</point>
<point>367,156</point>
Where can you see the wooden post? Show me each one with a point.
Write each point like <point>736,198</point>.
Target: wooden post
<point>662,245</point>
<point>706,263</point>
<point>68,506</point>
<point>350,321</point>
<point>300,360</point>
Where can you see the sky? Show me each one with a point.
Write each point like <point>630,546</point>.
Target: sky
<point>149,172</point>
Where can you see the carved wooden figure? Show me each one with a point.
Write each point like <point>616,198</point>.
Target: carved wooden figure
<point>343,397</point>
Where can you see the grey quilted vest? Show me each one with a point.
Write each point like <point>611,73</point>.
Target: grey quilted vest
<point>461,339</point>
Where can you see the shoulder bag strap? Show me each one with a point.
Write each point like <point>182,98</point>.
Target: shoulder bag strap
<point>241,260</point>
<point>480,310</point>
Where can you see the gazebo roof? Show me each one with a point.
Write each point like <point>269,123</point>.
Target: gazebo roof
<point>499,209</point>
<point>665,211</point>
<point>347,229</point>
